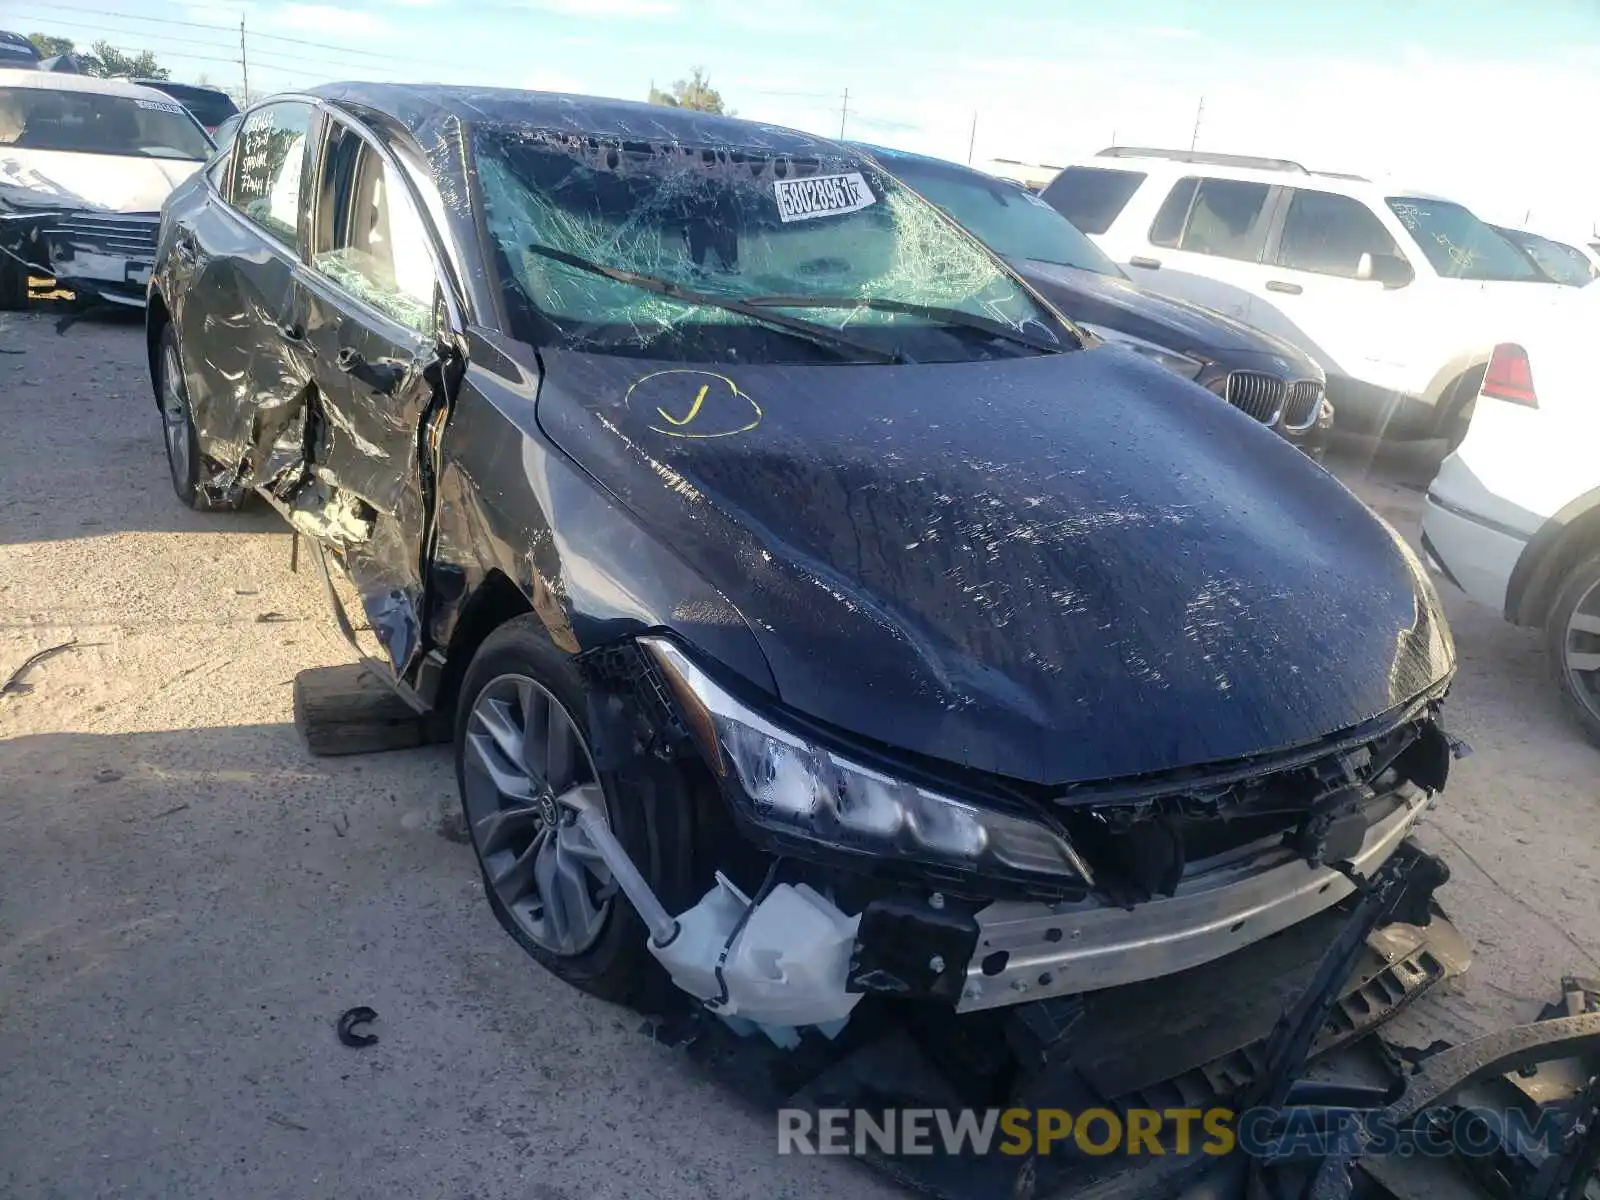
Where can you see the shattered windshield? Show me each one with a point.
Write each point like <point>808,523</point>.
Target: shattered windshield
<point>1459,245</point>
<point>1012,220</point>
<point>593,236</point>
<point>94,123</point>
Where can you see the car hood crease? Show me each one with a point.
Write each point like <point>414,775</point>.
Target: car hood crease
<point>1060,569</point>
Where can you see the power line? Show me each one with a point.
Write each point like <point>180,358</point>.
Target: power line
<point>269,37</point>
<point>158,45</point>
<point>102,30</point>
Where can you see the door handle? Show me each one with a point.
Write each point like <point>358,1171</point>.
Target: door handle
<point>294,334</point>
<point>1150,264</point>
<point>1288,289</point>
<point>382,377</point>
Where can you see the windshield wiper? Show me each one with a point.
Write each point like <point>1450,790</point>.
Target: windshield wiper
<point>947,316</point>
<point>819,335</point>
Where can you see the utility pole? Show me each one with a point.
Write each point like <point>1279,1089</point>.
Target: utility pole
<point>844,112</point>
<point>244,62</point>
<point>1198,113</point>
<point>972,141</point>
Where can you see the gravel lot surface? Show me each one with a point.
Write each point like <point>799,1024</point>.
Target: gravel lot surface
<point>188,899</point>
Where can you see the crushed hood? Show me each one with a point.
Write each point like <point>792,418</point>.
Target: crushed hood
<point>1065,568</point>
<point>105,182</point>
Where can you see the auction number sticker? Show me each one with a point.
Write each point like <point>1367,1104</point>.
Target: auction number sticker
<point>159,106</point>
<point>821,196</point>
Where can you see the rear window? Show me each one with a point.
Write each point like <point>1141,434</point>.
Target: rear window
<point>93,123</point>
<point>209,106</point>
<point>1092,197</point>
<point>17,51</point>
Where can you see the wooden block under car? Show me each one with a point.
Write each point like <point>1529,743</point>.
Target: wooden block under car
<point>348,710</point>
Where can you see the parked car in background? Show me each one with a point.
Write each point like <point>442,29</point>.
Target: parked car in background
<point>1561,262</point>
<point>84,167</point>
<point>210,106</point>
<point>224,133</point>
<point>1398,294</point>
<point>17,52</point>
<point>1513,518</point>
<point>1269,379</point>
<point>800,587</point>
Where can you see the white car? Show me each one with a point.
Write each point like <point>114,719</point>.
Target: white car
<point>85,165</point>
<point>1513,517</point>
<point>1398,294</point>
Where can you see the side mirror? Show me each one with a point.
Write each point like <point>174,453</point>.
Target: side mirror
<point>1388,269</point>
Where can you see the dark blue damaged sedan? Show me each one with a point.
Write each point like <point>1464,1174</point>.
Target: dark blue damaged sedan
<point>818,612</point>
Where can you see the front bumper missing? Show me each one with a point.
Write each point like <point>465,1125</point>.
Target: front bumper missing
<point>1035,951</point>
<point>102,254</point>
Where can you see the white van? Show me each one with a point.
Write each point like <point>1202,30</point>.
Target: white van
<point>1400,295</point>
<point>84,167</point>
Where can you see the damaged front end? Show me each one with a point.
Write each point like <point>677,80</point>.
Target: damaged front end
<point>880,882</point>
<point>99,256</point>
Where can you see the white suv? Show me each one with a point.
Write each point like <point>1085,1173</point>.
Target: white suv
<point>1513,517</point>
<point>1400,296</point>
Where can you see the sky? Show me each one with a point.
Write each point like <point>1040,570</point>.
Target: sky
<point>1493,104</point>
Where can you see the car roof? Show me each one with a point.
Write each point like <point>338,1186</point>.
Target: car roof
<point>50,81</point>
<point>1228,166</point>
<point>162,85</point>
<point>1290,174</point>
<point>424,108</point>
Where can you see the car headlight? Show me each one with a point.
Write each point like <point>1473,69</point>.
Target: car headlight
<point>1179,364</point>
<point>792,786</point>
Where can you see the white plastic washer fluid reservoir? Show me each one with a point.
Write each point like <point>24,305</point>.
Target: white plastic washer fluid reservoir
<point>787,966</point>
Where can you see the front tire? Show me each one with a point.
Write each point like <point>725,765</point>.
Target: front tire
<point>523,761</point>
<point>1572,642</point>
<point>185,462</point>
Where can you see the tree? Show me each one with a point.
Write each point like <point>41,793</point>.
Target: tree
<point>102,60</point>
<point>50,47</point>
<point>695,92</point>
<point>114,63</point>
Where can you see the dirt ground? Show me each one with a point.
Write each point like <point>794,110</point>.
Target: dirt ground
<point>188,899</point>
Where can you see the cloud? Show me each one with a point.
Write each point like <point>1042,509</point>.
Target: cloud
<point>555,81</point>
<point>327,19</point>
<point>605,8</point>
<point>1173,33</point>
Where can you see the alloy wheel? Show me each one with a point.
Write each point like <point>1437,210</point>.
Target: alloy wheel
<point>528,774</point>
<point>175,419</point>
<point>1581,652</point>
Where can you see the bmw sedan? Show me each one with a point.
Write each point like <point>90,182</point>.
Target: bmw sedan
<point>819,612</point>
<point>1264,376</point>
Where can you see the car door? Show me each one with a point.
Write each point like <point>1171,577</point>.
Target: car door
<point>368,319</point>
<point>1206,242</point>
<point>1313,292</point>
<point>234,260</point>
